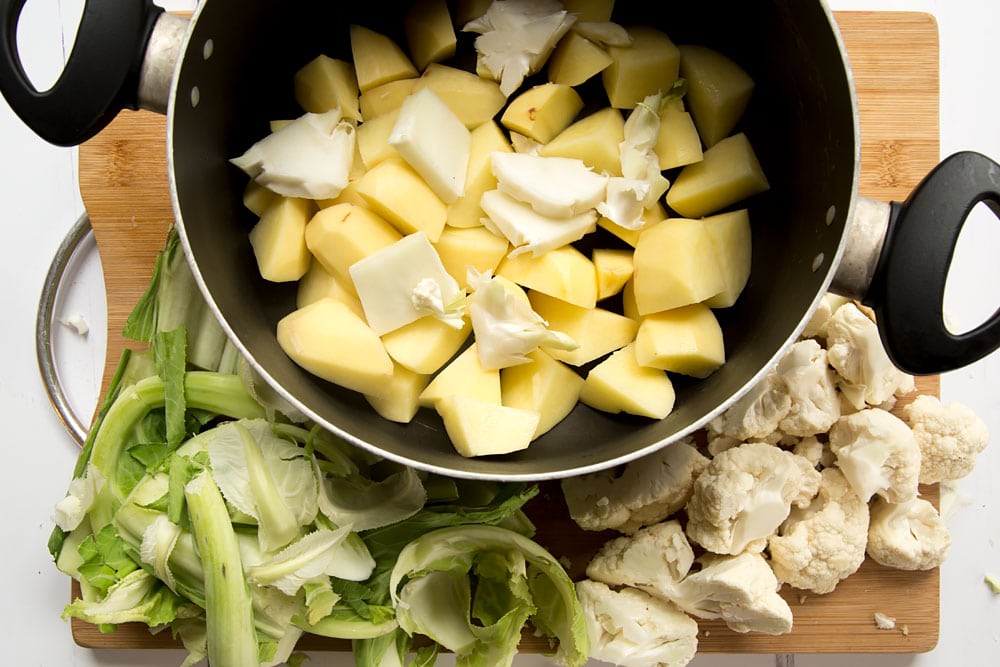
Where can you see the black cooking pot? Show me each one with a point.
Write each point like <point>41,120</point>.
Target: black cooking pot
<point>234,68</point>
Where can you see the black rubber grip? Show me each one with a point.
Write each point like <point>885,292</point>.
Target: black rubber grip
<point>101,76</point>
<point>907,291</point>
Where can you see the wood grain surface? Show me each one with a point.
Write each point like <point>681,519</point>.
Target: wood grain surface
<point>894,56</point>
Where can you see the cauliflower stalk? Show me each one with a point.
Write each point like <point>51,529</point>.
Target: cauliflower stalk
<point>745,493</point>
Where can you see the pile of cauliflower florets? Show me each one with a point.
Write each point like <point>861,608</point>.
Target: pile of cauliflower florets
<point>794,485</point>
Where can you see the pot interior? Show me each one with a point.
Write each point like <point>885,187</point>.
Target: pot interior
<point>241,58</point>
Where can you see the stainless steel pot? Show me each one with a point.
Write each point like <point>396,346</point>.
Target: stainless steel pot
<point>221,76</point>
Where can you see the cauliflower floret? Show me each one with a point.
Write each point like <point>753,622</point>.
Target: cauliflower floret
<point>756,415</point>
<point>819,545</point>
<point>907,536</point>
<point>856,352</point>
<point>878,454</point>
<point>815,403</point>
<point>631,627</point>
<point>745,493</point>
<point>950,437</point>
<point>817,324</point>
<point>655,559</point>
<point>741,590</point>
<point>815,451</point>
<point>644,492</point>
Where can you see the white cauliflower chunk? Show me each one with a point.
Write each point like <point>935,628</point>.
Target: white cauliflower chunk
<point>516,37</point>
<point>950,437</point>
<point>632,628</point>
<point>745,493</point>
<point>907,536</point>
<point>655,559</point>
<point>819,545</point>
<point>816,327</point>
<point>856,352</point>
<point>812,387</point>
<point>756,415</point>
<point>741,590</point>
<point>644,492</point>
<point>815,451</point>
<point>878,454</point>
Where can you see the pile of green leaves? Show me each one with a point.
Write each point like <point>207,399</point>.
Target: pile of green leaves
<point>200,505</point>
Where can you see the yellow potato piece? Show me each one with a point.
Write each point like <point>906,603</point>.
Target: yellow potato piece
<point>387,97</point>
<point>576,59</point>
<point>593,139</point>
<point>675,265</point>
<point>730,233</point>
<point>678,143</point>
<point>487,139</point>
<point>396,192</point>
<point>473,99</point>
<point>349,195</point>
<point>373,139</point>
<point>614,268</point>
<point>718,91</point>
<point>728,173</point>
<point>483,428</point>
<point>425,345</point>
<point>564,273</point>
<point>399,400</point>
<point>597,331</point>
<point>544,385</point>
<point>465,376</point>
<point>279,239</point>
<point>686,340</point>
<point>377,58</point>
<point>326,83</point>
<point>650,216</point>
<point>331,342</point>
<point>542,112</point>
<point>620,384</point>
<point>429,32</point>
<point>478,247</point>
<point>257,198</point>
<point>649,66</point>
<point>318,283</point>
<point>340,235</point>
<point>467,10</point>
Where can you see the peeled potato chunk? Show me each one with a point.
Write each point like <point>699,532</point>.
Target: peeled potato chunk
<point>340,235</point>
<point>730,233</point>
<point>718,91</point>
<point>576,59</point>
<point>544,385</point>
<point>620,384</point>
<point>675,265</point>
<point>686,340</point>
<point>483,428</point>
<point>473,99</point>
<point>318,283</point>
<point>279,240</point>
<point>484,141</point>
<point>429,32</point>
<point>399,400</point>
<point>425,345</point>
<point>326,83</point>
<point>397,193</point>
<point>593,139</point>
<point>649,66</point>
<point>564,273</point>
<point>387,97</point>
<point>478,247</point>
<point>597,331</point>
<point>542,112</point>
<point>377,59</point>
<point>465,376</point>
<point>327,339</point>
<point>678,143</point>
<point>614,268</point>
<point>728,173</point>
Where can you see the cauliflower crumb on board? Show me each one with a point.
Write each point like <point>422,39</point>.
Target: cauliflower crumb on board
<point>812,471</point>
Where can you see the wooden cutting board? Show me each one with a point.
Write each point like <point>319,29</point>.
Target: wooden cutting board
<point>123,179</point>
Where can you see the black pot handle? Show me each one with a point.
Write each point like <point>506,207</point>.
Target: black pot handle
<point>101,76</point>
<point>907,290</point>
